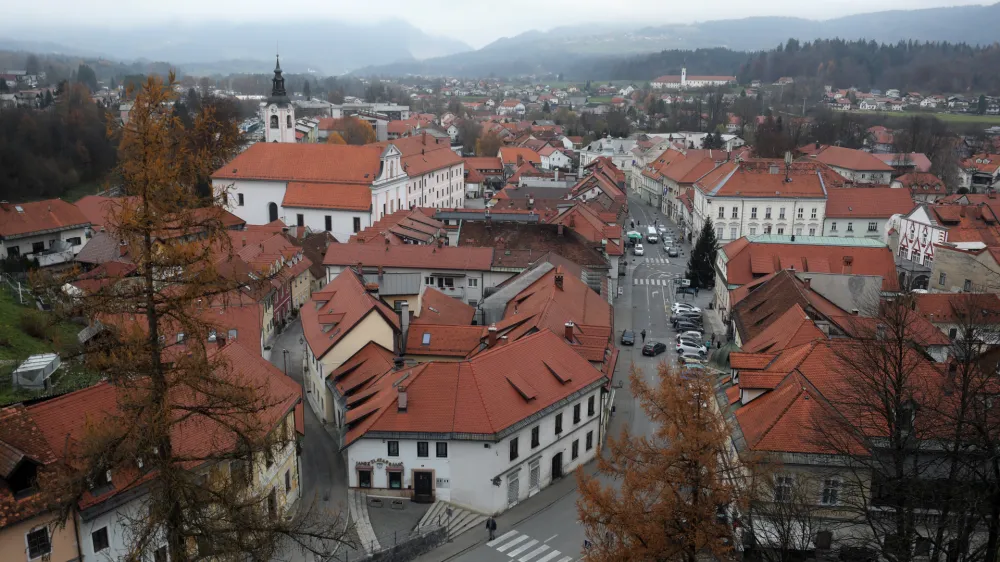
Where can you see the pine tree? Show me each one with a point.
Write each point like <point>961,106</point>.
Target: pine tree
<point>306,90</point>
<point>701,265</point>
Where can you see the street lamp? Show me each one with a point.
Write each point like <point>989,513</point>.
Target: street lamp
<point>284,359</point>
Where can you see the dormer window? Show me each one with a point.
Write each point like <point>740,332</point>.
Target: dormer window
<point>22,481</point>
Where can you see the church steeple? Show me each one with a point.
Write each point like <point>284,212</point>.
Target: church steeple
<point>278,93</point>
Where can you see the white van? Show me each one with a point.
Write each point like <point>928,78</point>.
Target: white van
<point>652,236</point>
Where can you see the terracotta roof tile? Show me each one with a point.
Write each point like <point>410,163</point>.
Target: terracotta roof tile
<point>439,308</point>
<point>509,154</point>
<point>949,307</point>
<point>918,160</point>
<point>851,159</point>
<point>340,196</point>
<point>868,202</point>
<point>443,340</point>
<point>314,163</point>
<point>37,216</point>
<point>410,256</point>
<point>337,308</point>
<point>922,183</point>
<point>766,178</point>
<point>747,260</point>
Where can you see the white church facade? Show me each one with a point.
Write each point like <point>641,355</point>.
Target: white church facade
<point>277,113</point>
<point>684,81</point>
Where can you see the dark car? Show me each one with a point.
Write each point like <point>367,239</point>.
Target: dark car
<point>672,252</point>
<point>628,337</point>
<point>654,348</point>
<point>689,316</point>
<point>686,325</point>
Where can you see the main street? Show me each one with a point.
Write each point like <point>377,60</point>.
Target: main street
<point>552,534</point>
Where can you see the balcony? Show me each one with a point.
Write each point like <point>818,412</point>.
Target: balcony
<point>454,292</point>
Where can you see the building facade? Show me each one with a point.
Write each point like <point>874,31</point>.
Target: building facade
<point>277,113</point>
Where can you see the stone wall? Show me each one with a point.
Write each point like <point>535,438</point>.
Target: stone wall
<point>410,549</point>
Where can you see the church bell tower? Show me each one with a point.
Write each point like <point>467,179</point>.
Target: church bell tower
<point>277,113</point>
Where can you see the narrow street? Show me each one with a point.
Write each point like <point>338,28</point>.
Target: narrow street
<point>552,534</point>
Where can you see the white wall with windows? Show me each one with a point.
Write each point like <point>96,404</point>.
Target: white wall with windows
<point>33,245</point>
<point>863,176</point>
<point>486,475</point>
<point>342,224</point>
<point>466,285</point>
<point>735,217</point>
<point>443,188</point>
<point>855,227</point>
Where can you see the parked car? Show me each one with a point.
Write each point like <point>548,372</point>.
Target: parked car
<point>691,340</point>
<point>672,252</point>
<point>689,359</point>
<point>654,348</point>
<point>695,334</point>
<point>628,337</point>
<point>687,325</point>
<point>638,250</point>
<point>679,306</point>
<point>684,348</point>
<point>683,282</point>
<point>684,315</point>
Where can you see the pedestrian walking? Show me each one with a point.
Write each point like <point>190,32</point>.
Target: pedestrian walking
<point>696,291</point>
<point>491,526</point>
<point>643,334</point>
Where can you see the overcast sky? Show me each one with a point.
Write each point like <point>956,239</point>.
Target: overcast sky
<point>476,22</point>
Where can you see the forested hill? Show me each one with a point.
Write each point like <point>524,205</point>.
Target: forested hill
<point>716,61</point>
<point>924,67</point>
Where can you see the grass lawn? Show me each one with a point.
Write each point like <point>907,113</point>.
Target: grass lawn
<point>946,117</point>
<point>18,341</point>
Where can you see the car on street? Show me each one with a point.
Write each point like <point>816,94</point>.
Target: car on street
<point>694,334</point>
<point>687,325</point>
<point>692,365</point>
<point>690,340</point>
<point>628,337</point>
<point>679,306</point>
<point>685,314</point>
<point>688,359</point>
<point>683,282</point>
<point>638,250</point>
<point>654,348</point>
<point>672,252</point>
<point>684,348</point>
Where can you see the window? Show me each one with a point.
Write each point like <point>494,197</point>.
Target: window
<point>473,282</point>
<point>395,480</point>
<point>38,543</point>
<point>800,213</point>
<point>288,481</point>
<point>328,223</point>
<point>576,413</point>
<point>767,229</point>
<point>798,231</point>
<point>732,233</point>
<point>365,478</point>
<point>812,232</point>
<point>423,449</point>
<point>14,252</point>
<point>300,220</point>
<point>722,212</point>
<point>781,230</point>
<point>357,224</point>
<point>239,199</point>
<point>274,121</point>
<point>831,492</point>
<point>767,213</point>
<point>942,278</point>
<point>718,232</point>
<point>441,449</point>
<point>590,440</point>
<point>967,286</point>
<point>736,213</point>
<point>74,241</point>
<point>160,554</point>
<point>534,437</point>
<point>37,247</point>
<point>753,212</point>
<point>872,226</point>
<point>575,450</point>
<point>812,214</point>
<point>393,448</point>
<point>907,412</point>
<point>781,213</point>
<point>753,230</point>
<point>288,121</point>
<point>590,406</point>
<point>558,424</point>
<point>833,227</point>
<point>100,539</point>
<point>850,227</point>
<point>513,448</point>
<point>782,488</point>
<point>824,540</point>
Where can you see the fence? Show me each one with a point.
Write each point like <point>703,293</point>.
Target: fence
<point>398,547</point>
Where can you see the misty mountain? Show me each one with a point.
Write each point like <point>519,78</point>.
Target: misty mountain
<point>327,47</point>
<point>568,49</point>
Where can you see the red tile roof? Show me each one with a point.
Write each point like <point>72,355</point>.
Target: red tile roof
<point>979,308</point>
<point>484,163</point>
<point>339,196</point>
<point>422,154</point>
<point>21,441</point>
<point>337,308</point>
<point>362,369</point>
<point>400,227</point>
<point>410,256</point>
<point>868,202</point>
<point>509,154</point>
<point>851,159</point>
<point>97,209</point>
<point>968,223</point>
<point>748,260</point>
<point>443,340</point>
<point>39,216</point>
<point>315,163</point>
<point>769,301</point>
<point>922,183</point>
<point>985,163</point>
<point>792,328</point>
<point>918,160</point>
<point>484,395</point>
<point>759,177</point>
<point>439,308</point>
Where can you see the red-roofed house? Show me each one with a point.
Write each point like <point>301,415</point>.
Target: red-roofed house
<point>855,165</point>
<point>51,232</point>
<point>860,211</point>
<point>339,189</point>
<point>483,433</point>
<point>923,187</point>
<point>337,322</point>
<point>435,173</point>
<point>979,172</point>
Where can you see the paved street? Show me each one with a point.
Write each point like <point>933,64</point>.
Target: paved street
<point>552,534</point>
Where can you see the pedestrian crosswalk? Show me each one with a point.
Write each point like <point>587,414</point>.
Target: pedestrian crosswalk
<point>656,282</point>
<point>523,548</point>
<point>657,261</point>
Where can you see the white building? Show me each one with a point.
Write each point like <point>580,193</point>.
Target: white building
<point>554,158</point>
<point>485,433</point>
<point>864,212</point>
<point>761,196</point>
<point>684,81</point>
<point>50,232</point>
<point>619,151</point>
<point>855,165</point>
<point>277,113</point>
<point>435,173</point>
<point>510,107</point>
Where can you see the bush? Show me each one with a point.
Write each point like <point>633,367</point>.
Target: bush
<point>35,324</point>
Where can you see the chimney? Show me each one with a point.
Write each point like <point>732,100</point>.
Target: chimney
<point>491,336</point>
<point>503,340</point>
<point>559,230</point>
<point>401,398</point>
<point>559,280</point>
<point>123,248</point>
<point>244,241</point>
<point>220,341</point>
<point>807,282</point>
<point>440,242</point>
<point>556,177</point>
<point>398,363</point>
<point>520,160</point>
<point>360,269</point>
<point>568,332</point>
<point>817,145</point>
<point>531,201</point>
<point>404,323</point>
<point>380,271</point>
<point>855,312</point>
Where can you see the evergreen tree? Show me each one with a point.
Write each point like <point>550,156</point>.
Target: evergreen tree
<point>3,85</point>
<point>546,108</point>
<point>982,105</point>
<point>701,265</point>
<point>49,100</point>
<point>86,75</point>
<point>306,90</point>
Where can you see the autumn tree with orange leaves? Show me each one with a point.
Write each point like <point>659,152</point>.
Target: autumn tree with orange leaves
<point>668,496</point>
<point>203,503</point>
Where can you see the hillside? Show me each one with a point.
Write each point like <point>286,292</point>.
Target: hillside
<point>571,49</point>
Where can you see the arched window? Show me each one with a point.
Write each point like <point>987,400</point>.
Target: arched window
<point>288,121</point>
<point>274,121</point>
<point>272,212</point>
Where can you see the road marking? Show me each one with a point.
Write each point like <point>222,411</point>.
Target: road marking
<point>567,559</point>
<point>549,556</point>
<point>533,553</point>
<point>522,548</point>
<point>518,540</point>
<point>550,538</point>
<point>501,538</point>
